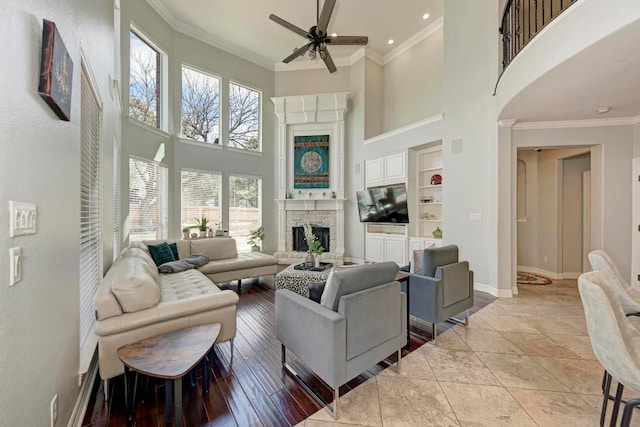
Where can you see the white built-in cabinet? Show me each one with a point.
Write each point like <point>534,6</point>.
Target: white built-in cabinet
<point>386,242</point>
<point>389,169</point>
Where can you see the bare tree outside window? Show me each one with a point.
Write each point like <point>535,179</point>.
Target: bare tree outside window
<point>144,78</point>
<point>244,117</point>
<point>200,106</point>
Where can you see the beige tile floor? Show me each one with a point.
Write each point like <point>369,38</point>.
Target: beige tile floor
<point>522,361</point>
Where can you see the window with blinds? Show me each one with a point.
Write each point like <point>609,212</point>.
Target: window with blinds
<point>148,200</point>
<point>117,225</point>
<point>201,193</point>
<point>245,208</point>
<point>90,208</point>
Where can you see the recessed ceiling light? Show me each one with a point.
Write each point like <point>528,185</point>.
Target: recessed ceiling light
<point>334,34</point>
<point>426,16</point>
<point>391,41</point>
<point>603,110</point>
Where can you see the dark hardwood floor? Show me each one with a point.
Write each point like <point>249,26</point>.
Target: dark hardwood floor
<point>253,390</point>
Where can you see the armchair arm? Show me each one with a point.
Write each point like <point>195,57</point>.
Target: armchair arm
<point>427,296</point>
<point>315,334</point>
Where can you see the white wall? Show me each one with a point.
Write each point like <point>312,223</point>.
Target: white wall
<point>636,140</point>
<point>611,153</point>
<point>469,74</point>
<point>311,82</point>
<point>412,83</point>
<point>147,143</point>
<point>40,163</point>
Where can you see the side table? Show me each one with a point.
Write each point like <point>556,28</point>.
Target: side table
<point>168,356</point>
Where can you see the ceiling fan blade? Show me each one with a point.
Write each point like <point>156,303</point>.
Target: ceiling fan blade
<point>328,61</point>
<point>298,52</point>
<point>347,40</point>
<point>325,15</point>
<point>288,25</point>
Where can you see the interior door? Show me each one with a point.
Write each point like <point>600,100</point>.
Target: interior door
<point>586,220</point>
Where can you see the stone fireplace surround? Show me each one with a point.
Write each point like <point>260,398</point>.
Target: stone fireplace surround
<point>310,115</point>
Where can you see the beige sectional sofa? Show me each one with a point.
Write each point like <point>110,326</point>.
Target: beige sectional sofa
<point>134,301</point>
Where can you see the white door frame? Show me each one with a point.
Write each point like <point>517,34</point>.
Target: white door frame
<point>635,224</point>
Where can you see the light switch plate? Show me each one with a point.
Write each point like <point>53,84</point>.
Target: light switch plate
<point>22,218</point>
<point>15,265</point>
<point>476,216</point>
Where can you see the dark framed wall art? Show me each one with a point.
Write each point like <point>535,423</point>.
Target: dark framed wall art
<point>56,71</point>
<point>311,161</point>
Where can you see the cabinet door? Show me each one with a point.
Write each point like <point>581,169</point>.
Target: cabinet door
<point>396,250</point>
<point>374,170</point>
<point>374,248</point>
<point>395,168</point>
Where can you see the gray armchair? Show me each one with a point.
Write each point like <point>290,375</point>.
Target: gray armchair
<point>440,287</point>
<point>360,320</point>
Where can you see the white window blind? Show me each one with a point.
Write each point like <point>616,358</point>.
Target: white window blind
<point>148,204</point>
<point>245,208</point>
<point>201,193</point>
<point>117,225</point>
<point>90,208</point>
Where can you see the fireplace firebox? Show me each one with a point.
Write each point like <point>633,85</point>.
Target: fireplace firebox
<point>300,244</point>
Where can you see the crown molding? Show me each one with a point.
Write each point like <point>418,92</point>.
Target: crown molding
<point>267,63</point>
<point>616,121</point>
<point>429,30</point>
<point>210,39</point>
<point>507,123</point>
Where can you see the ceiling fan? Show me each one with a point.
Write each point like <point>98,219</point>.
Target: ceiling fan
<point>317,36</point>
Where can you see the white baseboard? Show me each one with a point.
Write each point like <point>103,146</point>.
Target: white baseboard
<point>570,275</point>
<point>542,272</point>
<point>500,293</point>
<point>79,409</point>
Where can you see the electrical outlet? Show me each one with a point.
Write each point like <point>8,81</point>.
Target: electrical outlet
<point>54,410</point>
<point>545,258</point>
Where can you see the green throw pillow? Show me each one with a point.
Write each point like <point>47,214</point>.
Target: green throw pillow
<point>174,250</point>
<point>161,253</point>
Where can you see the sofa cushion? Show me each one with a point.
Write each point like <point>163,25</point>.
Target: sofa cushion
<point>134,285</point>
<point>184,246</point>
<point>161,253</point>
<point>175,266</point>
<point>216,248</point>
<point>347,280</point>
<point>242,262</point>
<point>145,259</point>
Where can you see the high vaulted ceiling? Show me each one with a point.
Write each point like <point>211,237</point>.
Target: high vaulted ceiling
<point>244,25</point>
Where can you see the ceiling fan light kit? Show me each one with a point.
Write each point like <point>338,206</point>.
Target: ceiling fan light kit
<point>318,38</point>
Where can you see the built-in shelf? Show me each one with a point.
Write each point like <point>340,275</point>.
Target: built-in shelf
<point>431,169</point>
<point>428,164</point>
<point>431,186</point>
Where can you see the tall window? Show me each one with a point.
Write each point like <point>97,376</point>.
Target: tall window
<point>245,208</point>
<point>244,117</point>
<point>117,225</point>
<point>148,207</point>
<point>90,206</point>
<point>200,106</point>
<point>144,81</point>
<point>201,193</point>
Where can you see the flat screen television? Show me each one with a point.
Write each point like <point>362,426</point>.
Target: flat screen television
<point>385,204</point>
